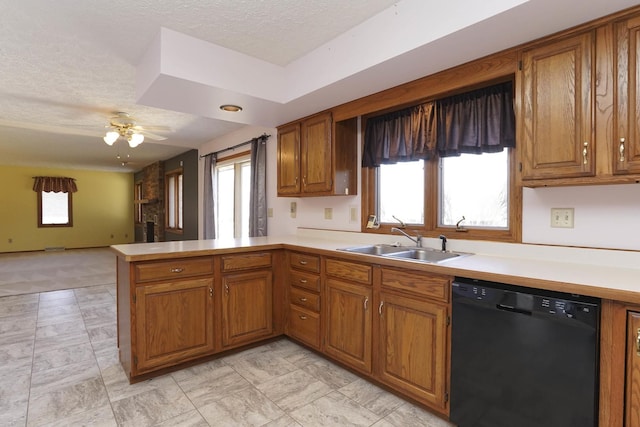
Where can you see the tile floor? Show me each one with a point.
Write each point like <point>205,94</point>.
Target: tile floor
<point>59,367</point>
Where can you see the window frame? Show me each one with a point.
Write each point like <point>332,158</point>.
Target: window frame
<point>431,228</point>
<point>69,223</point>
<point>177,202</point>
<point>235,160</point>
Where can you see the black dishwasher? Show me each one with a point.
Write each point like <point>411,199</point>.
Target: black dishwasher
<point>523,357</point>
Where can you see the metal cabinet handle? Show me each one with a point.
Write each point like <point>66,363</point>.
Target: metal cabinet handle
<point>302,299</point>
<point>638,341</point>
<point>366,300</point>
<point>177,270</point>
<point>621,149</point>
<point>380,308</point>
<point>226,289</point>
<point>303,280</point>
<point>303,262</point>
<point>210,292</point>
<point>584,152</point>
<point>302,317</point>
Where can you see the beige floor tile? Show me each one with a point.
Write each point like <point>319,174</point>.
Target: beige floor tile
<point>334,409</point>
<point>375,399</point>
<point>294,390</point>
<point>245,408</point>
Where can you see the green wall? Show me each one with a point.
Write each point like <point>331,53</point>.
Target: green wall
<point>102,207</point>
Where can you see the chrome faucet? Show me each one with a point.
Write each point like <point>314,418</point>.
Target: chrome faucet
<point>417,240</point>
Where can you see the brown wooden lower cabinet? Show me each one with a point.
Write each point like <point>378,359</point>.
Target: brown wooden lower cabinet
<point>412,347</point>
<point>348,323</point>
<point>247,307</point>
<point>632,412</point>
<point>173,322</point>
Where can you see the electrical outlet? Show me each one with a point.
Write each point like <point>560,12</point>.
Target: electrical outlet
<point>270,212</point>
<point>328,213</point>
<point>562,217</point>
<point>353,214</point>
<point>293,209</point>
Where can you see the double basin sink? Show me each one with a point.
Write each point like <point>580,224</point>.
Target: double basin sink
<point>425,255</point>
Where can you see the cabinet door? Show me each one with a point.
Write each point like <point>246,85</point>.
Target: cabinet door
<point>558,136</point>
<point>348,323</point>
<point>627,132</point>
<point>632,405</point>
<point>413,348</point>
<point>247,309</point>
<point>289,160</point>
<point>315,149</point>
<point>174,322</point>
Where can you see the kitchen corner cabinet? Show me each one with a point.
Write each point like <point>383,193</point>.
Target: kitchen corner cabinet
<point>247,298</point>
<point>348,313</point>
<point>166,316</point>
<point>413,323</point>
<point>626,135</point>
<point>558,136</point>
<point>632,398</point>
<point>316,158</point>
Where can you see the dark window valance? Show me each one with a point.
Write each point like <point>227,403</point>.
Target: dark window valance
<point>54,184</point>
<point>401,136</point>
<point>480,121</point>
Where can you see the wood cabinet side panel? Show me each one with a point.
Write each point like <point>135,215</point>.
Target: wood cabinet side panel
<point>632,398</point>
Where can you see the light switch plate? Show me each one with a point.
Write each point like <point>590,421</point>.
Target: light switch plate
<point>562,217</point>
<point>328,213</point>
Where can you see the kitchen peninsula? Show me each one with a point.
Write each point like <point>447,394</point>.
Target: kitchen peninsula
<point>183,302</point>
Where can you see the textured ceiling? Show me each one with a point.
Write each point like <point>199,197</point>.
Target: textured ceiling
<point>67,65</point>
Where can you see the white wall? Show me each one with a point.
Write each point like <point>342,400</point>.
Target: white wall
<point>605,216</point>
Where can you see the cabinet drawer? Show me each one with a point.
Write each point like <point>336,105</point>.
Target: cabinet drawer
<point>173,269</point>
<point>304,325</point>
<point>305,262</point>
<point>304,298</point>
<point>426,284</point>
<point>349,270</point>
<point>246,261</point>
<point>304,280</point>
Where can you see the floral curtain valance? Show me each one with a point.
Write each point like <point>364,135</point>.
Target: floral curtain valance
<point>480,121</point>
<point>54,184</point>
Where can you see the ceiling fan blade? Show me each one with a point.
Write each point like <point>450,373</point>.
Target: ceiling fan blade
<point>153,136</point>
<point>65,130</point>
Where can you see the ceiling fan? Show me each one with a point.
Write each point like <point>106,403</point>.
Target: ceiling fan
<point>123,125</point>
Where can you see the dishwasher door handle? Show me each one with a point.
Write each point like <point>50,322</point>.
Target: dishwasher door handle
<point>504,307</point>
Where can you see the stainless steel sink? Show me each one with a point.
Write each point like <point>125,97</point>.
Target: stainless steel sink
<point>402,252</point>
<point>375,249</point>
<point>426,255</point>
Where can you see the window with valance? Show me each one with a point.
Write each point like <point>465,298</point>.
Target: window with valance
<point>54,200</point>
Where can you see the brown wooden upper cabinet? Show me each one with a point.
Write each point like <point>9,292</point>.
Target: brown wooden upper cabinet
<point>626,135</point>
<point>315,158</point>
<point>557,138</point>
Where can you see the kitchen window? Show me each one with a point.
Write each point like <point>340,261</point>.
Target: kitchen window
<point>233,177</point>
<point>444,167</point>
<point>173,204</point>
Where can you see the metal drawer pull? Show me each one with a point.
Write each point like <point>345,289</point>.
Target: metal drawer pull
<point>303,299</point>
<point>621,149</point>
<point>584,152</point>
<point>380,308</point>
<point>302,317</point>
<point>226,289</point>
<point>303,280</point>
<point>177,270</point>
<point>303,262</point>
<point>366,300</point>
<point>210,292</point>
<point>638,342</point>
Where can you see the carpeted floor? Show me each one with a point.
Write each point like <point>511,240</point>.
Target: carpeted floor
<point>34,272</point>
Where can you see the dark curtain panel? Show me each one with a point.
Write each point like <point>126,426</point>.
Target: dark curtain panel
<point>481,121</point>
<point>258,196</point>
<point>208,196</point>
<point>401,136</point>
<point>54,184</point>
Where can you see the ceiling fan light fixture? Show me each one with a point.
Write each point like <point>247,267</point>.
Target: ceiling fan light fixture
<point>111,137</point>
<point>231,108</point>
<point>135,139</point>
